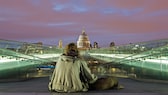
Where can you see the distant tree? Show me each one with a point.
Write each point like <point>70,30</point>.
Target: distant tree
<point>95,45</point>
<point>112,44</point>
<point>91,46</point>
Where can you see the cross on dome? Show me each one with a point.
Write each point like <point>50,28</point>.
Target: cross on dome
<point>83,31</point>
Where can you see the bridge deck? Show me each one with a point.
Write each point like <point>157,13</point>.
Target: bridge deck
<point>39,86</point>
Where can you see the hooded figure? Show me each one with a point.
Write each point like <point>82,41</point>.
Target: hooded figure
<point>71,73</point>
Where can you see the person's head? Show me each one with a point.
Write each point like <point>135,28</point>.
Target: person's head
<point>71,50</point>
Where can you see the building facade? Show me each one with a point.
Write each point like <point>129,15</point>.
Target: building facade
<point>60,44</point>
<point>83,42</point>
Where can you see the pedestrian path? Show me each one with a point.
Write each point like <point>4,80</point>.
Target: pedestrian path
<point>39,86</point>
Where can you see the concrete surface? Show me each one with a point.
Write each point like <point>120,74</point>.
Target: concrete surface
<point>39,86</point>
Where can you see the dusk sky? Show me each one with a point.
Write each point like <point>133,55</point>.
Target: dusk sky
<point>105,21</point>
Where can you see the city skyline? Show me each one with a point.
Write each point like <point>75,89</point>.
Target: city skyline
<point>105,21</point>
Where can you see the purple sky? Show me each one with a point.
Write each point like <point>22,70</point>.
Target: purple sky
<point>105,21</point>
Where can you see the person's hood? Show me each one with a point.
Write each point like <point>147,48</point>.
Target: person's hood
<point>68,58</point>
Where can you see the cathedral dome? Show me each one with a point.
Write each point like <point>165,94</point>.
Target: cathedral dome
<point>83,41</point>
<point>83,37</point>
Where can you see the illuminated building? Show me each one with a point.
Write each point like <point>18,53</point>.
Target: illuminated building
<point>60,44</point>
<point>83,42</point>
<point>29,48</point>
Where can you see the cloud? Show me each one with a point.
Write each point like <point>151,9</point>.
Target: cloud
<point>59,7</point>
<point>60,24</point>
<point>70,7</point>
<point>24,19</point>
<point>123,12</point>
<point>50,24</point>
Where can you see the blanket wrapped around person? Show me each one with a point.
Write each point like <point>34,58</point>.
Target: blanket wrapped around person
<point>72,74</point>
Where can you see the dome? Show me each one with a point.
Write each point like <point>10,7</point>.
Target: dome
<point>83,37</point>
<point>83,41</point>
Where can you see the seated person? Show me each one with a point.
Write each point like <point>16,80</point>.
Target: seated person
<point>72,74</point>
